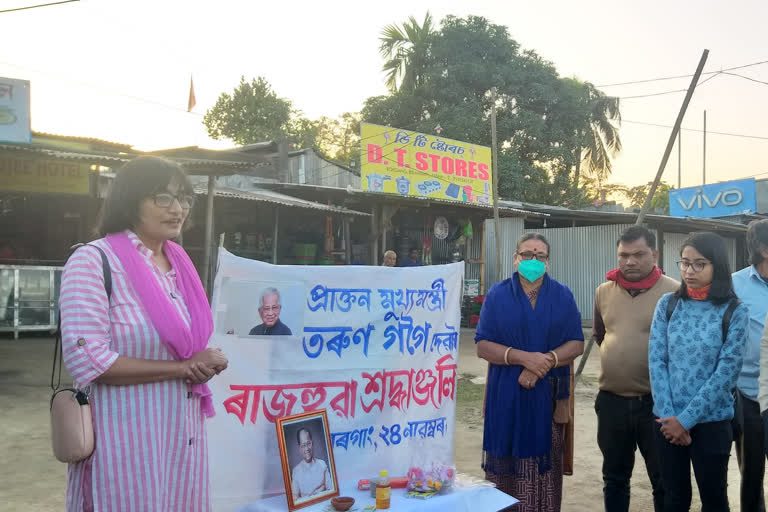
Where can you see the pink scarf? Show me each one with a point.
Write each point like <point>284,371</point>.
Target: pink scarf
<point>182,341</point>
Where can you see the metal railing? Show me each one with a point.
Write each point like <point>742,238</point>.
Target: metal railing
<point>29,298</point>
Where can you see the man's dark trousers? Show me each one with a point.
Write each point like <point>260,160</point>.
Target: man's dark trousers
<point>749,437</point>
<point>623,425</point>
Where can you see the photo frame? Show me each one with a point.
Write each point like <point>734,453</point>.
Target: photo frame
<point>261,309</point>
<point>306,454</point>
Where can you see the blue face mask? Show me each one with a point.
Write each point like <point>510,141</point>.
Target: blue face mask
<point>531,270</point>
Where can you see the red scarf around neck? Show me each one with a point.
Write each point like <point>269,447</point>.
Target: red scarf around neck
<point>699,293</point>
<point>645,284</point>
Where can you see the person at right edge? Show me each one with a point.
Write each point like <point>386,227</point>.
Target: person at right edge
<point>623,314</point>
<point>696,352</point>
<point>751,286</point>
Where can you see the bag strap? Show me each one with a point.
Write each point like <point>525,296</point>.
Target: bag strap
<point>671,305</point>
<point>728,315</point>
<point>732,305</point>
<point>57,349</point>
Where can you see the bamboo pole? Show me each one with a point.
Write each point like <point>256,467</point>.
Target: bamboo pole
<point>495,159</point>
<point>208,236</point>
<point>275,235</point>
<point>657,180</point>
<point>672,136</point>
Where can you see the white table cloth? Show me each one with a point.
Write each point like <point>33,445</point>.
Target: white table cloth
<point>475,499</point>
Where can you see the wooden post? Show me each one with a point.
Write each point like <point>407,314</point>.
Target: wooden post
<point>374,245</point>
<point>660,247</point>
<point>679,159</point>
<point>347,240</point>
<point>704,157</point>
<point>274,236</point>
<point>497,230</point>
<point>495,158</point>
<point>584,357</point>
<point>283,173</point>
<point>570,429</point>
<point>208,237</point>
<point>672,136</point>
<point>383,221</point>
<point>482,258</point>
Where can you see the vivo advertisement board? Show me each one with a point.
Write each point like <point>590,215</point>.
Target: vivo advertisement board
<point>716,200</point>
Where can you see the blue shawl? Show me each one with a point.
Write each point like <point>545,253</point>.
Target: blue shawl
<point>518,421</point>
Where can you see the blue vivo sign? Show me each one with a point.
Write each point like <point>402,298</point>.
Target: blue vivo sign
<point>717,200</point>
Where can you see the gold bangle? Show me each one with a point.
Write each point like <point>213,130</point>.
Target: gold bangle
<point>557,359</point>
<point>506,353</point>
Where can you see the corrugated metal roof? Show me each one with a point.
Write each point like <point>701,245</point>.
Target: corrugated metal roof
<point>693,223</point>
<point>428,200</point>
<point>194,155</point>
<point>270,196</point>
<point>199,164</point>
<point>89,140</point>
<point>92,156</point>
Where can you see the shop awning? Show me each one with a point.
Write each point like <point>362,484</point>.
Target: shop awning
<point>270,196</point>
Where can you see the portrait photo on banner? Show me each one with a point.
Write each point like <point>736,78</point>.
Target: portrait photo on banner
<point>261,308</point>
<point>309,470</point>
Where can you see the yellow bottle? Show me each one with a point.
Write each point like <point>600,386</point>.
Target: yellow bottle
<point>383,490</point>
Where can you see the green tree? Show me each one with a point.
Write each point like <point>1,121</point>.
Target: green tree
<point>637,196</point>
<point>601,141</point>
<point>301,132</point>
<point>339,139</point>
<point>406,50</point>
<point>541,117</point>
<point>255,113</point>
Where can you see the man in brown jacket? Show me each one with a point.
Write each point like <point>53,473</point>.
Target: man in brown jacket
<point>624,308</point>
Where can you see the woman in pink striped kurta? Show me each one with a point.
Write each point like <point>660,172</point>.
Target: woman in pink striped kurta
<point>150,451</point>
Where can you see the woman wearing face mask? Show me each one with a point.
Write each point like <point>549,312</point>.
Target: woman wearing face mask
<point>529,332</point>
<point>694,369</point>
<point>142,351</point>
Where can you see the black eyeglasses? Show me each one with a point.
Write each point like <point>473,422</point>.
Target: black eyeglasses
<point>531,255</point>
<point>165,200</point>
<point>697,266</point>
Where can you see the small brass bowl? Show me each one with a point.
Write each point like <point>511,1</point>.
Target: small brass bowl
<point>342,503</point>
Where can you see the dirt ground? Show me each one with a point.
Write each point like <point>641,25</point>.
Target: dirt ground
<point>32,480</point>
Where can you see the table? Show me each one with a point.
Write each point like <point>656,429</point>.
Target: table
<point>475,499</point>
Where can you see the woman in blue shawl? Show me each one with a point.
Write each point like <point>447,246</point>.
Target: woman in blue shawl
<point>529,332</point>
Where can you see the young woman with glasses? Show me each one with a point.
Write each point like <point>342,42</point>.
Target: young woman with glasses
<point>693,369</point>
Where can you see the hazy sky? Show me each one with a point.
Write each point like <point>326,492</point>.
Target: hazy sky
<point>120,70</point>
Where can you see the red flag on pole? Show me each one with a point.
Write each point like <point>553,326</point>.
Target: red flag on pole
<point>191,103</point>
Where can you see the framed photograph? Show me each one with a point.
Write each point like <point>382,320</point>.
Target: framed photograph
<point>261,308</point>
<point>309,471</point>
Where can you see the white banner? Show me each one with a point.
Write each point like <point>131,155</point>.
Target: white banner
<point>377,347</point>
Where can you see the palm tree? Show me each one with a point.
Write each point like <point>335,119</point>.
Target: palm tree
<point>406,50</point>
<point>601,141</point>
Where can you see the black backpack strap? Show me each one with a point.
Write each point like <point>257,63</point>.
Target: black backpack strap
<point>104,267</point>
<point>728,315</point>
<point>671,305</point>
<point>57,349</point>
